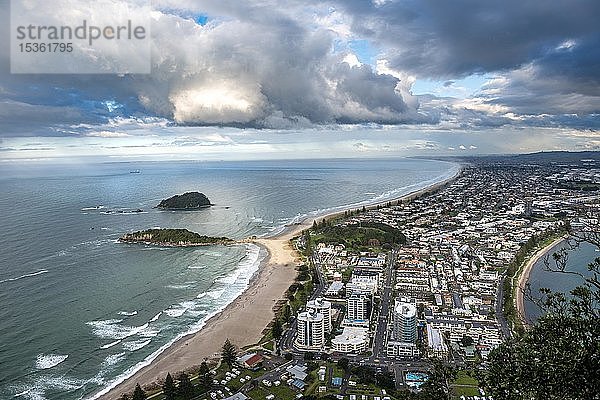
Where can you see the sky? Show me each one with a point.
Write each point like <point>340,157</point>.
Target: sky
<point>304,79</point>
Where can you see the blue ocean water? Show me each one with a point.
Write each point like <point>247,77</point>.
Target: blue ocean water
<point>80,311</point>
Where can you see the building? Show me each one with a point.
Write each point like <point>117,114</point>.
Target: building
<point>364,280</point>
<point>436,343</point>
<point>405,322</point>
<point>352,340</point>
<point>311,331</point>
<point>401,349</point>
<point>323,307</point>
<point>251,361</point>
<point>297,371</point>
<point>335,288</point>
<point>237,396</point>
<point>357,307</point>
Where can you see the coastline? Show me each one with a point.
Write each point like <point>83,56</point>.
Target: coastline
<point>524,278</point>
<point>243,320</point>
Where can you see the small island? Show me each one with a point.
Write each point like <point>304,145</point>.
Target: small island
<point>172,238</point>
<point>186,201</point>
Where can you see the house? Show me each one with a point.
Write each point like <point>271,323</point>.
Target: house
<point>252,361</point>
<point>297,371</point>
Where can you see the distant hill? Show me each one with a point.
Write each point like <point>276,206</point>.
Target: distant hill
<point>186,201</point>
<point>561,157</point>
<point>579,158</point>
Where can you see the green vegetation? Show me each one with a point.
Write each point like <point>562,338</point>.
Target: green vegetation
<point>558,357</point>
<point>228,353</point>
<point>138,393</point>
<point>514,269</point>
<point>358,235</point>
<point>299,291</point>
<point>465,385</point>
<point>585,186</point>
<point>174,237</point>
<point>185,389</point>
<point>186,201</point>
<point>168,388</point>
<point>277,329</point>
<point>280,392</point>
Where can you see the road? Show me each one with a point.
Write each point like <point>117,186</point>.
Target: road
<point>286,342</point>
<point>384,312</point>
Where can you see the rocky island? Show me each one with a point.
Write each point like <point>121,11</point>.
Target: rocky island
<point>172,238</point>
<point>186,201</point>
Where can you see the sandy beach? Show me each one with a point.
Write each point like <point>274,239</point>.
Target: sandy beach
<point>524,278</point>
<point>244,319</point>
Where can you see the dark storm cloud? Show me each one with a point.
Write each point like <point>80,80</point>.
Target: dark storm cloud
<point>549,52</point>
<point>258,65</point>
<point>271,64</point>
<point>566,80</point>
<point>433,38</point>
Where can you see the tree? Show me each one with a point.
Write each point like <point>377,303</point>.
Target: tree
<point>204,377</point>
<point>309,355</point>
<point>364,374</point>
<point>558,357</point>
<point>466,341</point>
<point>438,384</point>
<point>124,397</point>
<point>311,366</point>
<point>185,388</point>
<point>344,364</point>
<point>287,312</point>
<point>228,353</point>
<point>276,329</point>
<point>138,393</point>
<point>385,380</point>
<point>169,389</point>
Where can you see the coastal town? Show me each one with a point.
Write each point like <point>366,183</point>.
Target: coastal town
<point>385,292</point>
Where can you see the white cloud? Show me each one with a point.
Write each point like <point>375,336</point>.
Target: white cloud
<point>107,134</point>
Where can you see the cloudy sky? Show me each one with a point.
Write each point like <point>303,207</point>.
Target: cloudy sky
<point>291,78</point>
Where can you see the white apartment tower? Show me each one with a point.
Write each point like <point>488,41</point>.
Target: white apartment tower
<point>311,330</point>
<point>357,307</point>
<point>323,307</point>
<point>405,322</point>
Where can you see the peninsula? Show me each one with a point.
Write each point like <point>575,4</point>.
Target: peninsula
<point>172,238</point>
<point>186,201</point>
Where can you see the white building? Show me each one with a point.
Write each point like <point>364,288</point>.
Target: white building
<point>365,281</point>
<point>335,288</point>
<point>357,307</point>
<point>365,288</point>
<point>352,340</point>
<point>401,349</point>
<point>405,322</point>
<point>436,343</point>
<point>311,331</point>
<point>323,307</point>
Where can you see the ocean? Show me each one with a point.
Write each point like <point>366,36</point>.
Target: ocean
<point>80,311</point>
<point>540,277</point>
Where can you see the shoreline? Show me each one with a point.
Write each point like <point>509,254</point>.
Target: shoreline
<point>244,319</point>
<point>523,279</point>
<point>296,228</point>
